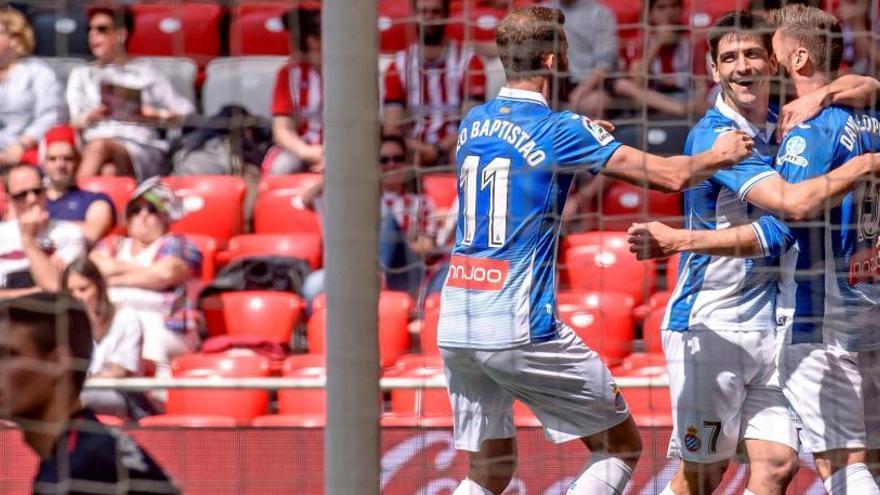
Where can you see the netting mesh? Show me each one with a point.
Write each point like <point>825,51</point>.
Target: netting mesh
<point>256,91</point>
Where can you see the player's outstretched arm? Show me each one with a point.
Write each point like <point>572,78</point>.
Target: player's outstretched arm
<point>676,173</point>
<point>849,90</point>
<point>805,199</point>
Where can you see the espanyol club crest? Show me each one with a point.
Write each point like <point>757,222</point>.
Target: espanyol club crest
<point>692,440</point>
<point>794,147</point>
<point>619,402</point>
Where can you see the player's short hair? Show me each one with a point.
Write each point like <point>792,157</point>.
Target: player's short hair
<point>525,36</point>
<point>4,176</point>
<point>55,320</point>
<point>447,6</point>
<point>19,31</point>
<point>122,16</point>
<point>740,23</point>
<point>813,29</point>
<point>302,22</point>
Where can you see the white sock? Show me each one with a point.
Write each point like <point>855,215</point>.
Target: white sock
<point>470,487</point>
<point>855,479</point>
<point>668,490</point>
<point>604,475</point>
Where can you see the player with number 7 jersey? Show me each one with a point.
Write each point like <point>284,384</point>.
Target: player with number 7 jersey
<point>498,332</point>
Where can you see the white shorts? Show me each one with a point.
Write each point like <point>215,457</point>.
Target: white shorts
<point>724,388</point>
<point>564,383</point>
<point>836,394</point>
<point>147,161</point>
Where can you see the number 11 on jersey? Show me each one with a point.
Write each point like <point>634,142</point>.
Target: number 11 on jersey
<point>495,179</point>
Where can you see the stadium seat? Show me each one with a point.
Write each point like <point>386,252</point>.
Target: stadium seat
<point>60,33</point>
<point>702,15</point>
<point>256,28</point>
<point>628,14</point>
<point>442,188</point>
<point>428,336</point>
<point>523,417</point>
<point>245,81</point>
<point>304,406</point>
<point>623,204</point>
<point>208,247</point>
<point>178,29</point>
<point>603,320</point>
<point>395,25</point>
<point>298,183</point>
<point>601,261</point>
<point>289,421</point>
<point>419,402</point>
<point>213,205</point>
<point>271,315</point>
<point>672,271</point>
<point>304,246</point>
<point>119,190</point>
<point>643,378</point>
<point>480,19</point>
<point>188,421</point>
<point>278,212</point>
<point>183,73</point>
<point>110,420</point>
<point>651,331</point>
<point>394,340</point>
<point>63,66</point>
<point>243,405</point>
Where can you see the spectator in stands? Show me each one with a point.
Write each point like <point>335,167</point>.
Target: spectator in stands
<point>93,212</point>
<point>408,229</point>
<point>33,248</point>
<point>119,104</point>
<point>117,334</point>
<point>148,270</point>
<point>297,127</point>
<point>672,63</point>
<point>30,94</point>
<point>435,81</point>
<point>861,46</point>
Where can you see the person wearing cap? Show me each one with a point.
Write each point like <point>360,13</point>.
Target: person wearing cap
<point>148,270</point>
<point>34,249</point>
<point>92,211</point>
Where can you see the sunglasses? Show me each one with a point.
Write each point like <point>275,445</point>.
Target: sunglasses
<point>101,28</point>
<point>385,160</point>
<point>135,209</point>
<point>22,195</point>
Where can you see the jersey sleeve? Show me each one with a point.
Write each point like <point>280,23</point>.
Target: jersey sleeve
<point>774,235</point>
<point>804,153</point>
<point>393,82</point>
<point>282,100</point>
<point>580,141</point>
<point>745,175</point>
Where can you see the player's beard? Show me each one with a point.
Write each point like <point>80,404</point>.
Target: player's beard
<point>432,35</point>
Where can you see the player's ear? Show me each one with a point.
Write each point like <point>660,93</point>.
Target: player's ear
<point>799,58</point>
<point>716,77</point>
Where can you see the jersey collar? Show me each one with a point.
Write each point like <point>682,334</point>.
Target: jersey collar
<point>741,122</point>
<point>522,95</point>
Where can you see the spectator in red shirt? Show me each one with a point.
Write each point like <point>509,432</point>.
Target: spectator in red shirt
<point>297,127</point>
<point>435,81</point>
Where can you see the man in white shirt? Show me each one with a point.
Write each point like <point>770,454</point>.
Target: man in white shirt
<point>33,249</point>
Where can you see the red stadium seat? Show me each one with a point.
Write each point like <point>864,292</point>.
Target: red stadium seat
<point>623,204</point>
<point>394,311</point>
<point>188,421</point>
<point>277,212</point>
<point>628,14</point>
<point>256,28</point>
<point>243,405</point>
<point>109,420</point>
<point>419,402</point>
<point>182,29</point>
<point>271,315</point>
<point>648,400</point>
<point>702,15</point>
<point>651,331</point>
<point>208,246</point>
<point>481,20</point>
<point>307,406</point>
<point>428,336</point>
<point>118,188</point>
<point>603,320</point>
<point>672,271</point>
<point>304,246</point>
<point>601,261</point>
<point>289,421</point>
<point>395,25</point>
<point>442,188</point>
<point>213,204</point>
<point>523,416</point>
<point>298,183</point>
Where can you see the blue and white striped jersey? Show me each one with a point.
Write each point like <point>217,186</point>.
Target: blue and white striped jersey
<point>718,292</point>
<point>511,161</point>
<point>833,293</point>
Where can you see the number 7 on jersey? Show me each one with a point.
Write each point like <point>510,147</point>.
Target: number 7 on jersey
<point>494,181</point>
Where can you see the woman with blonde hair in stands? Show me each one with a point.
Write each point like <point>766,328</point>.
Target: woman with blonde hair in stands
<point>30,94</point>
<point>118,338</point>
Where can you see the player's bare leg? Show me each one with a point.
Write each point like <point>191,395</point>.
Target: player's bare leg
<point>844,471</point>
<point>873,458</point>
<point>614,454</point>
<point>772,466</point>
<point>98,152</point>
<point>693,478</point>
<point>491,468</point>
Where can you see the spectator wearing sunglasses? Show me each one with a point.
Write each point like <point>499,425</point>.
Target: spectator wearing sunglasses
<point>93,212</point>
<point>34,249</point>
<point>119,104</point>
<point>148,270</point>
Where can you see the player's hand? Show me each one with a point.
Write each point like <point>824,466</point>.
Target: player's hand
<point>652,240</point>
<point>31,222</point>
<point>98,114</point>
<point>874,159</point>
<point>733,147</point>
<point>800,110</point>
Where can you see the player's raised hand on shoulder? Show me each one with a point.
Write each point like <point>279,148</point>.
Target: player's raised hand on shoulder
<point>800,110</point>
<point>733,147</point>
<point>653,240</point>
